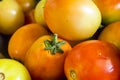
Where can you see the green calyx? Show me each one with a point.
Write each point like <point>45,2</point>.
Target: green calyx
<point>54,45</point>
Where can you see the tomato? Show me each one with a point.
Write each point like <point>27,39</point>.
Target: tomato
<point>111,33</point>
<point>72,19</point>
<point>28,8</point>
<point>110,10</point>
<point>13,70</point>
<point>23,38</point>
<point>11,16</point>
<point>93,60</point>
<point>27,5</point>
<point>45,58</point>
<point>39,13</point>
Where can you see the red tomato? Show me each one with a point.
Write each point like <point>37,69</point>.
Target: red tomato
<point>93,60</point>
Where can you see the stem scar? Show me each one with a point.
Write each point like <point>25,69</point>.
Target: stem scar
<point>2,76</point>
<point>73,74</point>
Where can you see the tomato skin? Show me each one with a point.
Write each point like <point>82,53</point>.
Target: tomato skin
<point>72,19</point>
<point>93,60</point>
<point>11,17</point>
<point>110,12</point>
<point>13,70</point>
<point>43,65</point>
<point>27,5</point>
<point>23,38</point>
<point>39,13</point>
<point>111,34</point>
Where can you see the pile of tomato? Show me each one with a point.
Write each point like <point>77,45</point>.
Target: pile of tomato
<point>59,40</point>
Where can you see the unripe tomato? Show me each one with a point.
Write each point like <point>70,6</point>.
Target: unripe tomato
<point>11,16</point>
<point>13,70</point>
<point>39,13</point>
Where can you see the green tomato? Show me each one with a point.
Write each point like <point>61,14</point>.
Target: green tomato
<point>13,70</point>
<point>11,16</point>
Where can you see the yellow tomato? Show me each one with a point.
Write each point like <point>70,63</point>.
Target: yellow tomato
<point>72,19</point>
<point>13,70</point>
<point>11,16</point>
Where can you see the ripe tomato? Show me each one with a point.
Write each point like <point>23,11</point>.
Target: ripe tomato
<point>110,10</point>
<point>93,60</point>
<point>23,38</point>
<point>13,70</point>
<point>72,19</point>
<point>45,58</point>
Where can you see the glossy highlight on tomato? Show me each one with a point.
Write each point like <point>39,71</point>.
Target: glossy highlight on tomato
<point>11,16</point>
<point>72,19</point>
<point>93,60</point>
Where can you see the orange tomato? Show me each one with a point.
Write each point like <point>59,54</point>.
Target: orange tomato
<point>93,60</point>
<point>23,38</point>
<point>45,58</point>
<point>111,33</point>
<point>110,10</point>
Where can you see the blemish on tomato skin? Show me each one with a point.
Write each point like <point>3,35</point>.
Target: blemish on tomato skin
<point>73,74</point>
<point>2,76</point>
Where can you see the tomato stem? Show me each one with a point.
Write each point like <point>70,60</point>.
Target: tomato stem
<point>54,45</point>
